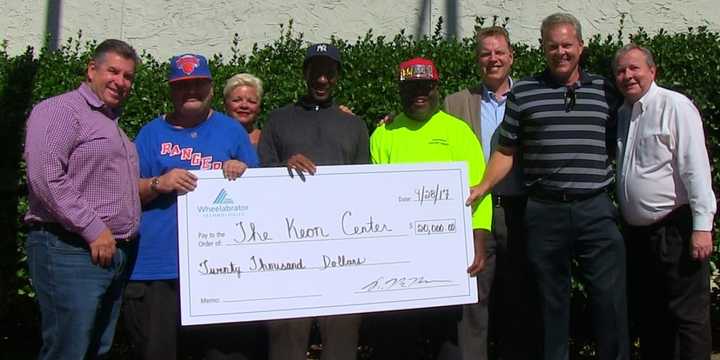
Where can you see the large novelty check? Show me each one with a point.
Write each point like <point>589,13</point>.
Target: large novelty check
<point>349,239</point>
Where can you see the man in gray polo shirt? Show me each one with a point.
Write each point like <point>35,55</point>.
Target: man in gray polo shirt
<point>561,122</point>
<point>314,131</point>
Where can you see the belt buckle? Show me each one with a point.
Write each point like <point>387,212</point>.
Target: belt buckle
<point>126,240</point>
<point>497,202</point>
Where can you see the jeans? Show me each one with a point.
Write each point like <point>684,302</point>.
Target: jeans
<point>79,301</point>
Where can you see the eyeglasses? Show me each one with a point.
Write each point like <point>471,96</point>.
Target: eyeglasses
<point>569,98</point>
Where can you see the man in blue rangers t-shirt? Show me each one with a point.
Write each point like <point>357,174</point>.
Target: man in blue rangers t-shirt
<point>192,137</point>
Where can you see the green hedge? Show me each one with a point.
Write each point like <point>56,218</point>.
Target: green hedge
<point>687,61</point>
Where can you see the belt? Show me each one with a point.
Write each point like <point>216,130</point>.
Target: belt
<point>508,200</point>
<point>60,231</point>
<point>564,196</point>
<point>681,213</point>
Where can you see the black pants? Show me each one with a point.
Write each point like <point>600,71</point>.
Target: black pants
<point>669,290</point>
<point>507,311</point>
<point>474,322</point>
<point>514,306</point>
<point>151,315</point>
<point>415,334</point>
<point>584,230</point>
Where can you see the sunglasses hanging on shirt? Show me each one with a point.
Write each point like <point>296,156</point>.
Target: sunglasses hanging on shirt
<point>569,97</point>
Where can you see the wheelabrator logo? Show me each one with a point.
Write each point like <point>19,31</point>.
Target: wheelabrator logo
<point>222,198</point>
<point>222,205</point>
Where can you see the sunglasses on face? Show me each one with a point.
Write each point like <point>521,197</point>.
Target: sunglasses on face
<point>417,86</point>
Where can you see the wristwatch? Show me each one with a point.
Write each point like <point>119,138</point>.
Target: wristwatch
<point>154,182</point>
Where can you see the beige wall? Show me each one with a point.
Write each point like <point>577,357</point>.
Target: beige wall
<point>166,27</point>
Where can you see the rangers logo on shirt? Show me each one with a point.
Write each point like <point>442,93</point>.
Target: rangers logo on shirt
<point>187,154</point>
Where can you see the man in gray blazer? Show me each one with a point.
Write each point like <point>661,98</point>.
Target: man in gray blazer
<point>483,108</point>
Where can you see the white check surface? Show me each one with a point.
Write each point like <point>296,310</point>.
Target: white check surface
<point>349,239</point>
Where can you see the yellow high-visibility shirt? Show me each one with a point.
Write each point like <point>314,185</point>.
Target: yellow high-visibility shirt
<point>441,138</point>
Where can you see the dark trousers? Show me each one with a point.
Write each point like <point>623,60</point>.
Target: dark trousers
<point>669,290</point>
<point>151,318</point>
<point>474,324</point>
<point>507,300</point>
<point>151,315</point>
<point>584,230</point>
<point>288,338</point>
<point>514,306</point>
<point>415,334</point>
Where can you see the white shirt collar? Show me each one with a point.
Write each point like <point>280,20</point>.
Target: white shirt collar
<point>645,99</point>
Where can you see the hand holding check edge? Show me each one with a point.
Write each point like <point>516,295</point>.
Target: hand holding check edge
<point>478,264</point>
<point>179,180</point>
<point>300,163</point>
<point>233,169</point>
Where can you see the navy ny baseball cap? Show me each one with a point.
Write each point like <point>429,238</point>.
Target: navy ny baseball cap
<point>188,66</point>
<point>322,49</point>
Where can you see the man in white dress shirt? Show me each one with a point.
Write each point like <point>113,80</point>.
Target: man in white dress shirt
<point>666,198</point>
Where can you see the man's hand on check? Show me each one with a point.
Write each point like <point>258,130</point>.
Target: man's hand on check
<point>478,263</point>
<point>476,192</point>
<point>233,169</point>
<point>179,180</point>
<point>300,163</point>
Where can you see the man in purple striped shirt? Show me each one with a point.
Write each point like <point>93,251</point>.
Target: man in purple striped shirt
<point>82,173</point>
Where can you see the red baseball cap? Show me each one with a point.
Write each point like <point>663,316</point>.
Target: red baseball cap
<point>418,69</point>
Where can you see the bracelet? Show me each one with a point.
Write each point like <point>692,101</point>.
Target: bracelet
<point>154,184</point>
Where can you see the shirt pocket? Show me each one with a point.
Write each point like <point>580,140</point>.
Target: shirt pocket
<point>654,150</point>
